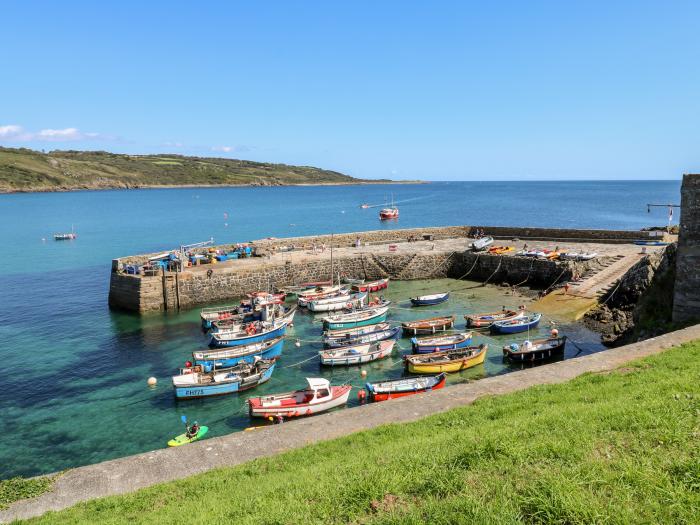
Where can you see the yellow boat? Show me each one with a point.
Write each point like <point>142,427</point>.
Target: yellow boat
<point>450,361</point>
<point>500,250</point>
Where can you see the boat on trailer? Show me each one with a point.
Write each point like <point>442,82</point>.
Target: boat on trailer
<point>357,354</point>
<point>380,332</point>
<point>514,326</point>
<point>440,343</point>
<point>407,386</point>
<point>428,326</point>
<point>230,356</point>
<point>537,350</point>
<point>485,320</point>
<point>452,361</point>
<point>195,382</point>
<point>318,396</point>
<point>430,300</point>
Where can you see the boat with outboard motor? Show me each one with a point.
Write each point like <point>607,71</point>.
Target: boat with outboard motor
<point>406,386</point>
<point>203,381</point>
<point>357,354</point>
<point>318,396</point>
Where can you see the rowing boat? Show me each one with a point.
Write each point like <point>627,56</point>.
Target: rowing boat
<point>357,354</point>
<point>538,350</point>
<point>440,343</point>
<point>452,361</point>
<point>341,302</point>
<point>428,326</point>
<point>406,386</point>
<point>380,332</point>
<point>430,300</point>
<point>519,324</point>
<point>373,286</point>
<point>485,320</point>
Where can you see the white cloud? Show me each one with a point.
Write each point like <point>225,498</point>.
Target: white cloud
<point>224,149</point>
<point>13,133</point>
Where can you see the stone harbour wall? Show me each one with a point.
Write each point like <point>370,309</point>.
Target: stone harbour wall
<point>686,300</point>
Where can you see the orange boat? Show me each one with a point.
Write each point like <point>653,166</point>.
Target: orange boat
<point>428,326</point>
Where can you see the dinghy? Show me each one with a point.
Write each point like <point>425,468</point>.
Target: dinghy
<point>429,300</point>
<point>428,326</point>
<point>195,382</point>
<point>354,319</point>
<point>485,320</point>
<point>538,350</point>
<point>407,386</point>
<point>480,245</point>
<point>440,343</point>
<point>357,354</point>
<point>381,332</point>
<point>318,396</point>
<point>452,361</point>
<point>519,324</point>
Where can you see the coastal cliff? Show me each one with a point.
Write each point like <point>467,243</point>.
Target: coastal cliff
<point>26,170</point>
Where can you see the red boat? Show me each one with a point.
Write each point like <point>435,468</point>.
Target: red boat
<point>374,286</point>
<point>318,396</point>
<point>386,214</point>
<point>406,386</point>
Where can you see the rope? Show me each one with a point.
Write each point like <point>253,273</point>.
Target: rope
<point>470,269</point>
<point>315,356</point>
<point>532,264</point>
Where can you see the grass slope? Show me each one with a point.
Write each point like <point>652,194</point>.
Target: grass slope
<point>619,447</point>
<point>29,170</point>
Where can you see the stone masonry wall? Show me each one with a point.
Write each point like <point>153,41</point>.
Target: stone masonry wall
<point>686,300</point>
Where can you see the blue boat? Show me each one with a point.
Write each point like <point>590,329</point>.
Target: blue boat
<point>232,355</point>
<point>519,324</point>
<point>194,382</point>
<point>428,300</point>
<point>440,343</point>
<point>249,333</point>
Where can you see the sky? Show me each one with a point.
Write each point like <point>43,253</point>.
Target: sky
<point>403,90</point>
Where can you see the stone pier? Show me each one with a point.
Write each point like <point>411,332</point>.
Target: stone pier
<point>686,299</point>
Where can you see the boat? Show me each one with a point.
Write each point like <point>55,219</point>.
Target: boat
<point>183,439</point>
<point>452,361</point>
<point>357,354</point>
<point>64,236</point>
<point>390,212</point>
<point>318,396</point>
<point>351,281</point>
<point>519,324</point>
<point>249,333</point>
<point>277,311</point>
<point>195,381</point>
<point>480,245</point>
<point>485,320</point>
<point>267,297</point>
<point>341,302</point>
<point>364,206</point>
<point>538,350</point>
<point>407,386</point>
<point>373,286</point>
<point>218,313</point>
<point>319,291</point>
<point>576,256</point>
<point>651,243</point>
<point>429,300</point>
<point>428,326</point>
<point>304,299</point>
<point>353,319</point>
<point>500,250</point>
<point>232,355</point>
<point>380,332</point>
<point>440,343</point>
<point>303,287</point>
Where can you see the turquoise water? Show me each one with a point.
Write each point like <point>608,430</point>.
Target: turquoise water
<point>74,390</point>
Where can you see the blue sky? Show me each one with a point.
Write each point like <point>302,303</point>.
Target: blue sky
<point>430,90</point>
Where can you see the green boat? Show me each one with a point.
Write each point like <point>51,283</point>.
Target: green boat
<point>355,319</point>
<point>182,439</point>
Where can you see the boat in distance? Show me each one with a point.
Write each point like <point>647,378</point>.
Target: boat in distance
<point>429,300</point>
<point>537,350</point>
<point>357,354</point>
<point>452,361</point>
<point>318,396</point>
<point>514,326</point>
<point>428,326</point>
<point>406,386</point>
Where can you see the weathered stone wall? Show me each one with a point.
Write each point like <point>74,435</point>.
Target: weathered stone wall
<point>686,301</point>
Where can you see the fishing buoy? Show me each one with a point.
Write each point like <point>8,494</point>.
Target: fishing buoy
<point>361,395</point>
<point>188,364</point>
<point>554,332</point>
<point>291,325</point>
<point>363,373</point>
<point>152,381</point>
<point>297,343</point>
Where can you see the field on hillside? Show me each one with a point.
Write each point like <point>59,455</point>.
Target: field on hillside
<point>620,447</point>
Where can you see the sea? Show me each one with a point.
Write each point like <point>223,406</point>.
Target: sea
<point>74,388</point>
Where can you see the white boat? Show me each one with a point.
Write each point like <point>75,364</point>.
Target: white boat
<point>357,354</point>
<point>318,396</point>
<point>304,301</point>
<point>481,244</point>
<point>319,291</point>
<point>341,302</point>
<point>353,319</point>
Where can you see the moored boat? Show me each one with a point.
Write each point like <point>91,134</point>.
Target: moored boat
<point>440,343</point>
<point>406,386</point>
<point>380,332</point>
<point>452,361</point>
<point>250,333</point>
<point>428,326</point>
<point>514,326</point>
<point>485,320</point>
<point>357,354</point>
<point>194,382</point>
<point>482,244</point>
<point>230,356</point>
<point>389,213</point>
<point>318,396</point>
<point>373,286</point>
<point>429,300</point>
<point>341,302</point>
<point>219,313</point>
<point>538,350</point>
<point>353,319</point>
<point>304,300</point>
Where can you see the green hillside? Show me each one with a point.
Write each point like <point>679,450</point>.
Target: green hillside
<point>29,170</point>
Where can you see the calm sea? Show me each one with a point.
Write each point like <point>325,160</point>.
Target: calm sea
<point>74,386</point>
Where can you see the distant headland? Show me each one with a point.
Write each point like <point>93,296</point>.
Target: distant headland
<point>26,170</point>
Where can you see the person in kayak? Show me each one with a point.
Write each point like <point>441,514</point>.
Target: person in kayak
<point>192,431</point>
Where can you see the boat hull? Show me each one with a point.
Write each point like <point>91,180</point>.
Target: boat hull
<point>420,301</point>
<point>455,365</point>
<point>505,327</point>
<point>485,320</point>
<point>428,326</point>
<point>218,339</point>
<point>537,354</point>
<point>336,358</point>
<point>377,394</point>
<point>210,390</point>
<point>226,357</point>
<point>371,337</point>
<point>340,398</point>
<point>429,348</point>
<point>342,324</point>
<point>374,286</point>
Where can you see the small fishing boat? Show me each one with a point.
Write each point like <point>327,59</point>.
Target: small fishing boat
<point>350,281</point>
<point>231,356</point>
<point>184,439</point>
<point>428,326</point>
<point>429,300</point>
<point>304,300</point>
<point>500,250</point>
<point>452,361</point>
<point>381,332</point>
<point>386,214</point>
<point>440,343</point>
<point>341,302</point>
<point>514,326</point>
<point>276,311</point>
<point>364,206</point>
<point>196,381</point>
<point>357,354</point>
<point>318,396</point>
<point>249,333</point>
<point>220,313</point>
<point>355,331</point>
<point>64,236</point>
<point>485,320</point>
<point>482,244</point>
<point>373,286</point>
<point>407,386</point>
<point>353,319</point>
<point>538,350</point>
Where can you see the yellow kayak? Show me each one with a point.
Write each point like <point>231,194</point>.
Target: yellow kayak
<point>451,361</point>
<point>183,439</point>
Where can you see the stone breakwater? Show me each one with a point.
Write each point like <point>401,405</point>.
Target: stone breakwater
<point>443,256</point>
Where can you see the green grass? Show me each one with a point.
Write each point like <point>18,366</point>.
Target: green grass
<point>28,170</point>
<point>620,447</point>
<point>15,489</point>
